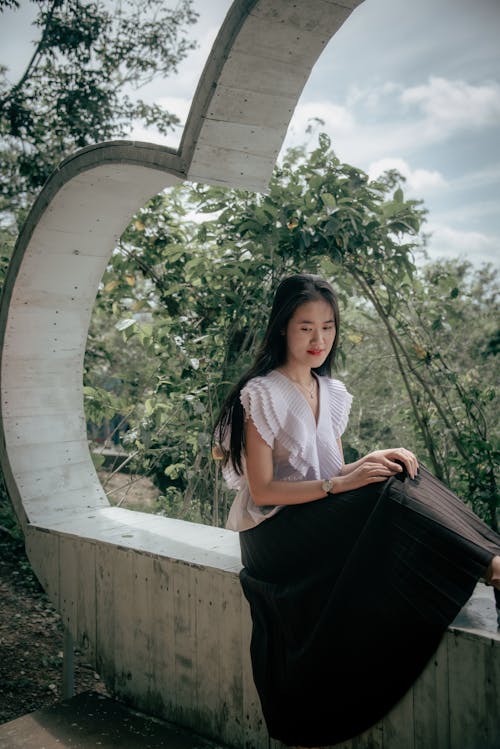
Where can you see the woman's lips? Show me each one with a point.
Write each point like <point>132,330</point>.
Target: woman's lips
<point>315,352</point>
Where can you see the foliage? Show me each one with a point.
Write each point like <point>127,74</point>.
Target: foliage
<point>168,296</point>
<point>444,333</point>
<point>449,324</point>
<point>73,91</point>
<point>190,302</point>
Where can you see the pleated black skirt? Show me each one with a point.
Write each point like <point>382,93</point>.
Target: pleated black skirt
<point>350,596</point>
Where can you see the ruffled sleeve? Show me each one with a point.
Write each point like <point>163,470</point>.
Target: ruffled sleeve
<point>257,401</point>
<point>258,404</point>
<point>340,405</point>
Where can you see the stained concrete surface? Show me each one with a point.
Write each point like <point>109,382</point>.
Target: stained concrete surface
<point>92,721</point>
<point>479,612</point>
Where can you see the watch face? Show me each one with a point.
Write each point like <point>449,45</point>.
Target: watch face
<point>327,485</point>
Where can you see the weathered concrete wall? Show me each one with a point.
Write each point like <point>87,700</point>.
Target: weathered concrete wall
<point>158,609</point>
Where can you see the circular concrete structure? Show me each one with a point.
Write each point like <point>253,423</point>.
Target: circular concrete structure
<point>246,96</point>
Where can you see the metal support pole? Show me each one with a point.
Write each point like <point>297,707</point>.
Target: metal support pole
<point>68,683</point>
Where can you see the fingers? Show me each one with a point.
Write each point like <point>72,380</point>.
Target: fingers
<point>406,457</point>
<point>410,461</point>
<point>381,471</point>
<point>388,458</point>
<point>370,472</point>
<point>394,467</point>
<point>382,461</point>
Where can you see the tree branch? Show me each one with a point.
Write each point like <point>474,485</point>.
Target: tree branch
<point>429,441</point>
<point>38,51</point>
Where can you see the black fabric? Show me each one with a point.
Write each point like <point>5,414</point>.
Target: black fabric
<point>350,596</point>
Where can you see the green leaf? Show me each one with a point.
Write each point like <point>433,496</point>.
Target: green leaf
<point>97,460</point>
<point>249,225</point>
<point>305,239</point>
<point>261,216</point>
<point>329,200</point>
<point>174,470</point>
<point>125,323</point>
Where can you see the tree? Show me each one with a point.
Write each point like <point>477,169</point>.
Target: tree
<point>209,293</point>
<point>75,89</point>
<point>442,336</point>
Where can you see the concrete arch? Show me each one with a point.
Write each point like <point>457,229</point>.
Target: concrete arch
<point>232,137</point>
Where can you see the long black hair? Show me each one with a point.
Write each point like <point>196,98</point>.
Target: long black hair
<point>290,294</point>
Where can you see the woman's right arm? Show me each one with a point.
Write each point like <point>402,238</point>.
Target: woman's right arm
<point>265,490</point>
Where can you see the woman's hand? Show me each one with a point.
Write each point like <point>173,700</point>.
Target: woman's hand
<point>368,472</point>
<point>383,459</point>
<point>387,458</point>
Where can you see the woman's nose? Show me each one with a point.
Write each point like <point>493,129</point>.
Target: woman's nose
<point>317,336</point>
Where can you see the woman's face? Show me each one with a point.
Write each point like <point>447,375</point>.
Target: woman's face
<point>310,334</point>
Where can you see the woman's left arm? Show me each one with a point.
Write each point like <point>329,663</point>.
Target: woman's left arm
<point>386,458</point>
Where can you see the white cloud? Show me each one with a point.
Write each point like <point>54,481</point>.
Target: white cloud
<point>372,120</point>
<point>418,181</point>
<point>455,105</point>
<point>144,135</point>
<point>354,140</point>
<point>179,105</point>
<point>373,96</point>
<point>471,212</point>
<point>487,177</point>
<point>338,119</point>
<point>446,241</point>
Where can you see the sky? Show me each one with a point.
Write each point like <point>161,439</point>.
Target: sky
<point>406,84</point>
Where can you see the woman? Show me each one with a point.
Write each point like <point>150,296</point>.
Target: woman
<point>352,572</point>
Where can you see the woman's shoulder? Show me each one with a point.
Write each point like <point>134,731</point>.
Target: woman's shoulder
<point>262,401</point>
<point>339,404</point>
<point>273,392</point>
<point>267,383</point>
<point>336,387</point>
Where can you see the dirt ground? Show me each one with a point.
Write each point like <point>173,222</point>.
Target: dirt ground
<point>31,631</point>
<point>31,640</point>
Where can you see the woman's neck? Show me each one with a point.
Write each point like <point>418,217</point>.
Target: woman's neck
<point>301,375</point>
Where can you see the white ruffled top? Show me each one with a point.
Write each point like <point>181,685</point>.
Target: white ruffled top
<point>303,448</point>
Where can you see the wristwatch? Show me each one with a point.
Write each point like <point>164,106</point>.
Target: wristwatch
<point>327,486</point>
